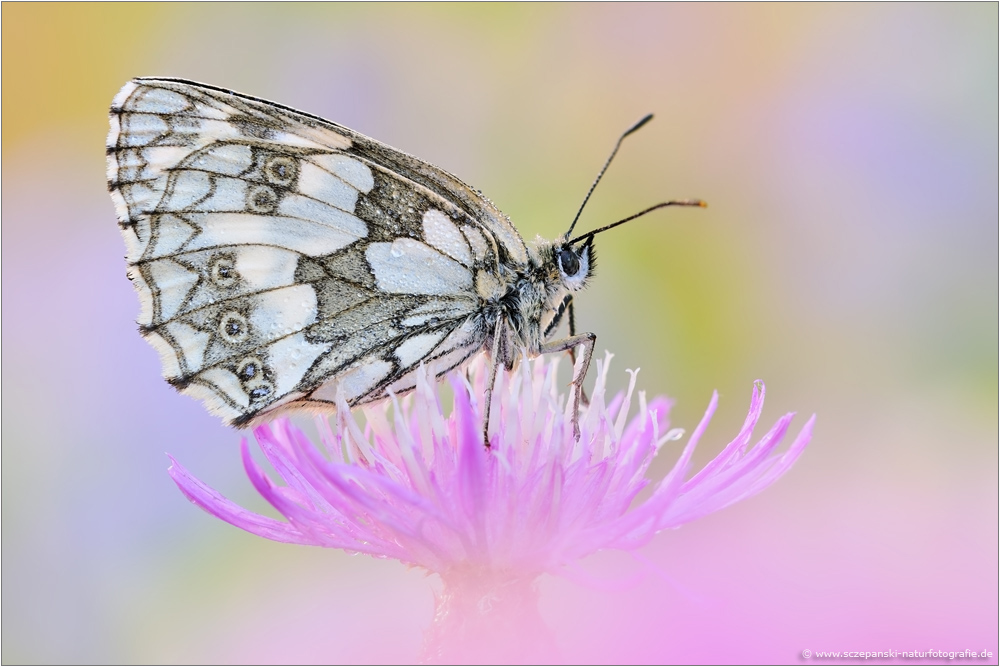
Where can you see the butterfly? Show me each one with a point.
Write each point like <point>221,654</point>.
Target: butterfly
<point>285,262</point>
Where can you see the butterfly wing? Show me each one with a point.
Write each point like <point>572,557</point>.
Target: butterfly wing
<point>281,259</point>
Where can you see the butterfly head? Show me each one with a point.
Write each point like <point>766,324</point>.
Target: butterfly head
<point>575,263</point>
<point>563,267</point>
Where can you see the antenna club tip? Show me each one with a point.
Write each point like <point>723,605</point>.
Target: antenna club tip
<point>642,121</point>
<point>687,202</point>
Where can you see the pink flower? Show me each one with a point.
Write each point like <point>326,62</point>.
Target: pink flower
<point>420,487</point>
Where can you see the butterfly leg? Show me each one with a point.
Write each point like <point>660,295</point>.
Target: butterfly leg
<point>572,350</point>
<point>490,381</point>
<point>587,341</point>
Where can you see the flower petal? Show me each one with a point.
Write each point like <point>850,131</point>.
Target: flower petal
<point>421,487</point>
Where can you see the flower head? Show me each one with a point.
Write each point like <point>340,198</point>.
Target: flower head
<point>420,487</point>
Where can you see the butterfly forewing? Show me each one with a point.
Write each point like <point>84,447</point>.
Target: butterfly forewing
<point>281,259</point>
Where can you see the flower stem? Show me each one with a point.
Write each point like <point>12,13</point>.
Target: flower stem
<point>487,617</point>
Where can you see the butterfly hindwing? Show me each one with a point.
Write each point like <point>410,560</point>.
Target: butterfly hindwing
<point>281,259</point>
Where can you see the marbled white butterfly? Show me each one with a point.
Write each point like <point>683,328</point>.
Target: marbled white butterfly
<point>281,259</point>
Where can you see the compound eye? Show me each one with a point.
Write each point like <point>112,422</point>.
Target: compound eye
<point>569,263</point>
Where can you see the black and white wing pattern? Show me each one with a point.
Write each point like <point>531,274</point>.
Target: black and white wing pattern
<point>281,259</point>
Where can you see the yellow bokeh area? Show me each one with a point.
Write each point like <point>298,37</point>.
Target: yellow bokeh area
<point>61,59</point>
<point>848,257</point>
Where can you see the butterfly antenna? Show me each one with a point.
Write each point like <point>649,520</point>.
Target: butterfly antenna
<point>676,202</point>
<point>645,119</point>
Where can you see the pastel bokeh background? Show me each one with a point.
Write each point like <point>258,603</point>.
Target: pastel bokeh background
<point>849,258</point>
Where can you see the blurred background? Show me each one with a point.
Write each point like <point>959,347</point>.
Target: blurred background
<point>849,258</point>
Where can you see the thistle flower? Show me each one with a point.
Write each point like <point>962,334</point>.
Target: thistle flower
<point>420,487</point>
